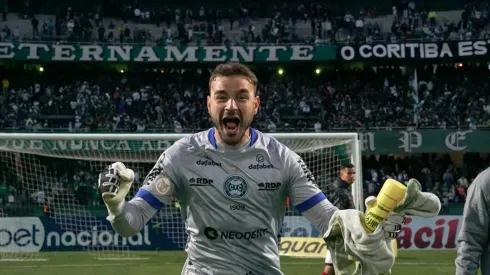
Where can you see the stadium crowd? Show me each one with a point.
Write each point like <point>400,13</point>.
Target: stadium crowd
<point>171,100</point>
<point>250,22</point>
<point>355,99</point>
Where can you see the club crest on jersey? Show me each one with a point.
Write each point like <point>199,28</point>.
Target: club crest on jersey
<point>163,186</point>
<point>235,187</point>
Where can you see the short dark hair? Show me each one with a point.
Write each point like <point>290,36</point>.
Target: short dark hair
<point>234,69</point>
<point>346,166</point>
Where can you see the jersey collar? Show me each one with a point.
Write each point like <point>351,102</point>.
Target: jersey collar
<point>253,137</point>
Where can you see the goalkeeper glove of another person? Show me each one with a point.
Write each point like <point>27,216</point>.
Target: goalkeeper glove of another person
<point>393,223</point>
<point>418,203</point>
<point>114,184</point>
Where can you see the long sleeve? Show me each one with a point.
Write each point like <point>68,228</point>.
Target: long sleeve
<point>473,236</point>
<point>158,189</point>
<point>135,215</point>
<point>306,196</point>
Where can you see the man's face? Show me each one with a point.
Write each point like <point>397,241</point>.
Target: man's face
<point>232,105</point>
<point>348,175</point>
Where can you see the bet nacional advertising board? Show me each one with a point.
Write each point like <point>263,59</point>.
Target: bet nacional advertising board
<point>33,234</point>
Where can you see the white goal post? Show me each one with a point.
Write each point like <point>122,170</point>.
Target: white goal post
<point>56,173</point>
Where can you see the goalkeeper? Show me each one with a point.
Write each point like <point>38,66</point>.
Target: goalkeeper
<point>231,182</point>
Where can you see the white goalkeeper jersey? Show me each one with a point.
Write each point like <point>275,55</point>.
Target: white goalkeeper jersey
<point>232,200</point>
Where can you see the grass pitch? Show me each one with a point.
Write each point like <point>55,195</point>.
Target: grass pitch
<point>170,263</point>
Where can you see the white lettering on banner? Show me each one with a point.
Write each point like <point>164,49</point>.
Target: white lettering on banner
<point>213,54</point>
<point>367,141</point>
<point>348,52</point>
<point>34,50</point>
<point>272,52</point>
<point>86,145</point>
<point>188,55</point>
<point>302,52</point>
<point>63,53</point>
<point>106,145</point>
<point>96,237</point>
<point>6,50</point>
<point>410,140</point>
<point>91,53</point>
<point>247,56</point>
<point>464,48</point>
<point>147,54</point>
<point>35,145</point>
<point>27,234</point>
<point>125,53</point>
<point>453,141</point>
<point>415,50</point>
<point>122,53</point>
<point>469,48</point>
<point>418,233</point>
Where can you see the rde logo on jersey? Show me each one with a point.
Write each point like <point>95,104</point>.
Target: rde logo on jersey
<point>235,187</point>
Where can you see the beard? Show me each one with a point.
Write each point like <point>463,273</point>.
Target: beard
<point>231,127</point>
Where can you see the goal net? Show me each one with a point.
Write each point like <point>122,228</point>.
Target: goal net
<point>49,200</point>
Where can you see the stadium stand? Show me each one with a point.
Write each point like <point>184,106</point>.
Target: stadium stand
<point>418,117</point>
<point>371,97</point>
<point>447,97</point>
<point>167,100</point>
<point>237,23</point>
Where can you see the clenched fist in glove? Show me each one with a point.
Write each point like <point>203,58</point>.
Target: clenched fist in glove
<point>114,184</point>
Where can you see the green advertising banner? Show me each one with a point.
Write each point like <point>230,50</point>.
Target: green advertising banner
<point>87,145</point>
<point>372,142</point>
<point>425,141</point>
<point>451,50</point>
<point>138,53</point>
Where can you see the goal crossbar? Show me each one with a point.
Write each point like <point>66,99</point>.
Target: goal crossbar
<point>142,136</point>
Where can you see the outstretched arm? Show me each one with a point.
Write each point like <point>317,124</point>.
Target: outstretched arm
<point>342,229</point>
<point>306,196</point>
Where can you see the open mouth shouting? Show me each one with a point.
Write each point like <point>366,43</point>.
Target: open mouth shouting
<point>231,125</point>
